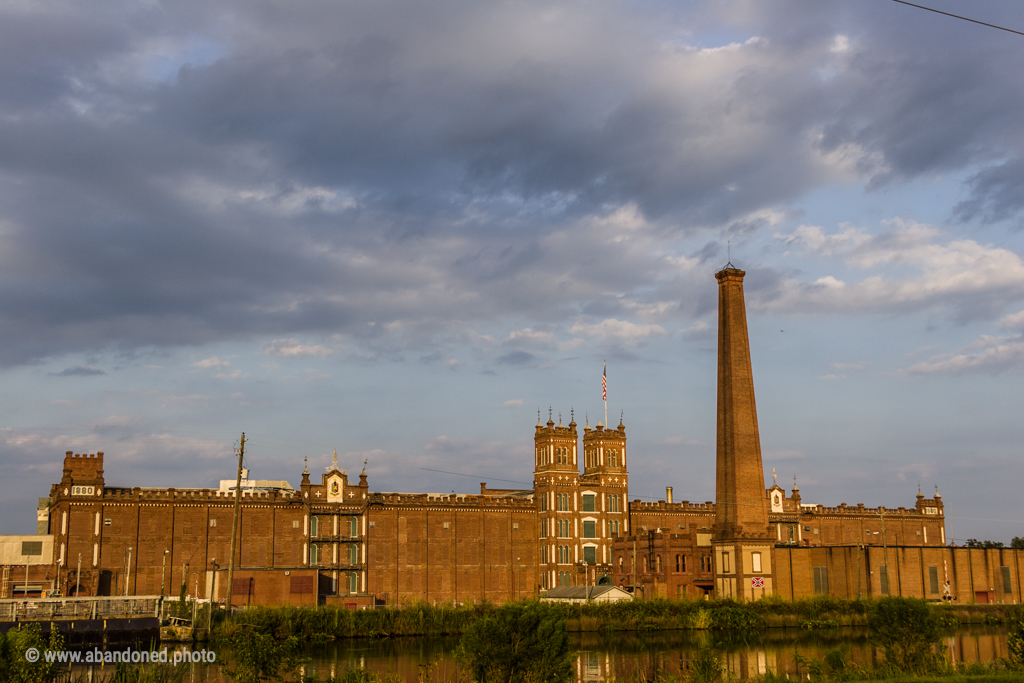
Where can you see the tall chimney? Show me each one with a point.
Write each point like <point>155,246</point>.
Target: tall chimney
<point>668,494</point>
<point>741,509</point>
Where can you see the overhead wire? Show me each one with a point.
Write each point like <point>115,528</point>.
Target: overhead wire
<point>958,16</point>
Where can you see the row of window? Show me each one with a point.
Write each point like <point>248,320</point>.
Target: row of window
<point>559,455</point>
<point>611,457</point>
<point>563,502</point>
<point>314,526</point>
<point>563,554</point>
<point>680,564</point>
<point>316,555</point>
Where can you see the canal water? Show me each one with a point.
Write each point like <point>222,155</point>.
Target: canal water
<point>633,656</point>
<point>624,656</point>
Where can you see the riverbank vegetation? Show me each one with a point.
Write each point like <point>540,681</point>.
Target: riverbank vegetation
<point>426,619</point>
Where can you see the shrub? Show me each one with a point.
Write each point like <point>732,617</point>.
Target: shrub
<point>259,658</point>
<point>706,667</point>
<point>14,666</point>
<point>1015,643</point>
<point>524,642</point>
<point>906,629</point>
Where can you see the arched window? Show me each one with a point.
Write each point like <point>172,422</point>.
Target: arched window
<point>313,554</point>
<point>312,526</point>
<point>353,554</point>
<point>353,583</point>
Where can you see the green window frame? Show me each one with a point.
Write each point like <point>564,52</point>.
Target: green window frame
<point>589,529</point>
<point>589,502</point>
<point>933,580</point>
<point>590,554</point>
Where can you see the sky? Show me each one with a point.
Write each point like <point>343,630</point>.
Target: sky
<point>399,229</point>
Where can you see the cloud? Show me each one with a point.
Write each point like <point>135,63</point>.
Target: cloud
<point>512,403</point>
<point>858,365</point>
<point>996,194</point>
<point>986,354</point>
<point>212,362</point>
<point>621,331</point>
<point>832,377</point>
<point>81,371</point>
<point>234,374</point>
<point>399,174</point>
<point>516,358</point>
<point>292,348</point>
<point>967,279</point>
<point>1013,321</point>
<point>528,337</point>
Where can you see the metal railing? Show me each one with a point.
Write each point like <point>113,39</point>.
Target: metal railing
<point>63,609</point>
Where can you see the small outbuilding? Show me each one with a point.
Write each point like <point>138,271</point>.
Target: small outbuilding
<point>586,594</point>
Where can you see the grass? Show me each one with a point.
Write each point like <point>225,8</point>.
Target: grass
<point>426,619</point>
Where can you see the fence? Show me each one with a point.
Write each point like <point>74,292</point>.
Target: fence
<point>60,609</point>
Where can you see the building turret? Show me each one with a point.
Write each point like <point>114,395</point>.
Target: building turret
<point>604,450</point>
<point>555,447</point>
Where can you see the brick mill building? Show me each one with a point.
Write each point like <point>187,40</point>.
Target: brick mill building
<point>333,540</point>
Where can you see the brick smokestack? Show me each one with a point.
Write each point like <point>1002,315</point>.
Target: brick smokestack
<point>741,506</point>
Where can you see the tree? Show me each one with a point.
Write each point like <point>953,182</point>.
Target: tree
<point>907,630</point>
<point>518,643</point>
<point>1017,543</point>
<point>975,543</point>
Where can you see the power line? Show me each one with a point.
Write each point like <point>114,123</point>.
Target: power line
<point>957,16</point>
<point>477,476</point>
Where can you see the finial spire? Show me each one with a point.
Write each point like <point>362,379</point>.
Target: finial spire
<point>774,483</point>
<point>559,418</point>
<point>305,465</point>
<point>538,416</point>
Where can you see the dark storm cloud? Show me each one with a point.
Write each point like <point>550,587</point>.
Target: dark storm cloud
<point>181,174</point>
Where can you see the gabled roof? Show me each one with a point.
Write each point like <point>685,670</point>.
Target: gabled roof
<point>584,592</point>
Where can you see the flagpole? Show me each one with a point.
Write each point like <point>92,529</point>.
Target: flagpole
<point>604,392</point>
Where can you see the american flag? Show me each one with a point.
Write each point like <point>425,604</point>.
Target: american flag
<point>604,383</point>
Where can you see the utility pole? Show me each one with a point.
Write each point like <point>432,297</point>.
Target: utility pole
<point>163,574</point>
<point>234,524</point>
<point>78,576</point>
<point>885,553</point>
<point>634,564</point>
<point>128,571</point>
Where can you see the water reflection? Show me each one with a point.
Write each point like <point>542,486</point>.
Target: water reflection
<point>627,656</point>
<point>633,655</point>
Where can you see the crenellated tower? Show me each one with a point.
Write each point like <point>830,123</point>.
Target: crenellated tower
<point>555,478</point>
